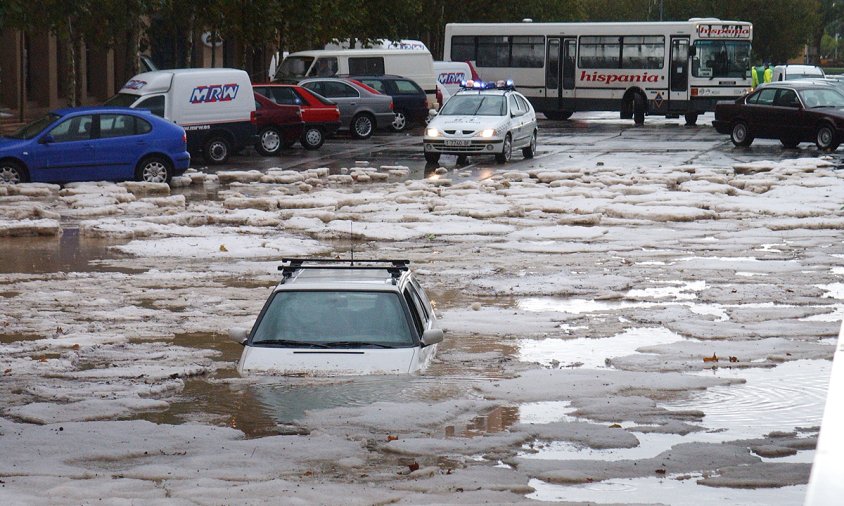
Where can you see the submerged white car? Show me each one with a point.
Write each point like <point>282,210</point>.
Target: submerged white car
<point>482,119</point>
<point>338,317</point>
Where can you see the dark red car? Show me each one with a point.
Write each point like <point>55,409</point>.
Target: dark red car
<point>278,125</point>
<point>321,115</point>
<point>791,111</point>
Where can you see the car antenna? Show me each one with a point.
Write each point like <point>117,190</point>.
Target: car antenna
<point>352,241</point>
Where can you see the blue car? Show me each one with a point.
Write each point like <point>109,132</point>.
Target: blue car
<point>94,144</point>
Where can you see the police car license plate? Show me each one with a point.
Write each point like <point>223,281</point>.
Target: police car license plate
<point>456,143</point>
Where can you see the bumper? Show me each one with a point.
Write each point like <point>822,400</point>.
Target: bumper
<point>474,146</point>
<point>722,127</point>
<point>181,163</point>
<point>384,119</point>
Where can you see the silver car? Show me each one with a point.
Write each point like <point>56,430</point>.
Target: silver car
<point>362,109</point>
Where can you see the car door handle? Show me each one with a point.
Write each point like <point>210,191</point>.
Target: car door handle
<point>353,103</point>
<point>141,143</point>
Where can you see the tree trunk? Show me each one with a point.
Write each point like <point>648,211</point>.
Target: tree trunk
<point>73,56</point>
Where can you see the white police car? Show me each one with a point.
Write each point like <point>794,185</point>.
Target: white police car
<point>341,317</point>
<point>482,119</point>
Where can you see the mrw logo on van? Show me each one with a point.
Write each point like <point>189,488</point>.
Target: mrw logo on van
<point>214,93</point>
<point>451,77</point>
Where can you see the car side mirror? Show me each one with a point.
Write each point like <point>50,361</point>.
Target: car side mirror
<point>47,139</point>
<point>432,112</point>
<point>432,336</point>
<point>239,335</point>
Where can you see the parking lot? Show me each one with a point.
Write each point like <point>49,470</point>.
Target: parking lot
<point>635,315</point>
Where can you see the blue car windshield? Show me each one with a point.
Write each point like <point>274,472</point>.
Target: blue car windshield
<point>475,105</point>
<point>34,128</point>
<point>327,318</point>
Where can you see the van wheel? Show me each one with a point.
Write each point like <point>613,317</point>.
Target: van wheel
<point>432,157</point>
<point>269,142</point>
<point>363,125</point>
<point>740,135</point>
<point>639,107</point>
<point>216,150</point>
<point>506,151</point>
<point>825,138</point>
<point>691,118</point>
<point>12,173</point>
<point>312,137</point>
<point>400,122</point>
<point>154,170</point>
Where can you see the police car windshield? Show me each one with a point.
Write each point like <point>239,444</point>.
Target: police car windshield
<point>475,105</point>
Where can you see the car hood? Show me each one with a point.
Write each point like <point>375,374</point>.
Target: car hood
<point>329,362</point>
<point>466,122</point>
<point>7,144</point>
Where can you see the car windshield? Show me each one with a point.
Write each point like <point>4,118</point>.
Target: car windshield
<point>34,128</point>
<point>294,68</point>
<point>718,58</point>
<point>475,105</point>
<point>122,100</point>
<point>824,97</point>
<point>334,318</point>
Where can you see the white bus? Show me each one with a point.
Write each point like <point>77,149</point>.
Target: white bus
<point>660,68</point>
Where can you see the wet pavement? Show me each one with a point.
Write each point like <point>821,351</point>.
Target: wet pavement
<point>653,307</point>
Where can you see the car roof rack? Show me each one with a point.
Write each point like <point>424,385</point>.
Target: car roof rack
<point>394,267</point>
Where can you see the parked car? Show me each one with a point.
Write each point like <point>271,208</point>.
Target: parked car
<point>215,106</point>
<point>410,103</point>
<point>362,109</point>
<point>482,119</point>
<point>321,115</point>
<point>340,317</point>
<point>92,144</point>
<point>279,126</point>
<point>791,111</point>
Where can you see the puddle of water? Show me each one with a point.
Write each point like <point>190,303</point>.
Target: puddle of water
<point>497,419</point>
<point>592,352</point>
<point>666,490</point>
<point>833,291</point>
<point>68,253</point>
<point>681,292</point>
<point>574,306</point>
<point>546,412</point>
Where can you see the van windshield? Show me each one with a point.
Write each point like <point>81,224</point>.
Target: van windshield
<point>294,68</point>
<point>121,100</point>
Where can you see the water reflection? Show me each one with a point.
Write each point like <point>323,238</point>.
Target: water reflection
<point>69,252</point>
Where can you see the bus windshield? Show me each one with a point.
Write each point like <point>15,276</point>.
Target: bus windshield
<point>294,68</point>
<point>719,58</point>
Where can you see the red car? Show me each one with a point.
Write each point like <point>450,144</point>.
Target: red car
<point>321,116</point>
<point>279,126</point>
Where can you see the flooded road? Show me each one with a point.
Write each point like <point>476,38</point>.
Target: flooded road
<point>634,315</point>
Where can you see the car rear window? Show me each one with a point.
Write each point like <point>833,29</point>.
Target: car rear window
<point>325,317</point>
<point>404,87</point>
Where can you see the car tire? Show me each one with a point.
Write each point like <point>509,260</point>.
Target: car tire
<point>432,157</point>
<point>530,150</point>
<point>558,115</point>
<point>506,150</point>
<point>740,135</point>
<point>825,138</point>
<point>13,173</point>
<point>400,122</point>
<point>691,118</point>
<point>216,150</point>
<point>789,143</point>
<point>154,169</point>
<point>269,142</point>
<point>312,137</point>
<point>639,106</point>
<point>362,126</point>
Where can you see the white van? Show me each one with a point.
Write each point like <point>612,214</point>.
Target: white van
<point>792,72</point>
<point>416,65</point>
<point>216,107</point>
<point>451,73</point>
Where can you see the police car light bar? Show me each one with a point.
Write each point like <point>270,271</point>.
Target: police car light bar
<point>480,85</point>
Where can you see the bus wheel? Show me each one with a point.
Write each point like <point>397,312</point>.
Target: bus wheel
<point>691,118</point>
<point>639,107</point>
<point>740,135</point>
